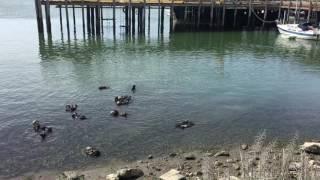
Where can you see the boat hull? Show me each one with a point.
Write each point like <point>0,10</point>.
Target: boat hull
<point>292,30</point>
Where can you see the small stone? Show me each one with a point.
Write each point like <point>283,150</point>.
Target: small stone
<point>244,146</point>
<point>222,153</point>
<point>112,177</point>
<point>295,166</point>
<point>229,178</point>
<point>173,174</point>
<point>230,161</point>
<point>189,157</point>
<point>150,157</point>
<point>218,163</point>
<point>129,173</point>
<point>172,154</point>
<point>72,175</point>
<point>208,154</point>
<point>198,173</point>
<point>311,147</point>
<point>236,166</point>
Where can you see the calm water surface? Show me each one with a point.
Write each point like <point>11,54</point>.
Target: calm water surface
<point>231,84</point>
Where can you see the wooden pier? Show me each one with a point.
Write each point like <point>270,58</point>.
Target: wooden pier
<point>212,14</point>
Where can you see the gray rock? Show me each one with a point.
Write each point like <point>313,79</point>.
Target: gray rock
<point>311,147</point>
<point>222,153</point>
<point>208,154</point>
<point>129,174</point>
<point>72,175</point>
<point>218,163</point>
<point>236,166</point>
<point>229,178</point>
<point>150,157</point>
<point>244,146</point>
<point>173,154</point>
<point>189,157</point>
<point>295,166</point>
<point>173,174</point>
<point>112,177</point>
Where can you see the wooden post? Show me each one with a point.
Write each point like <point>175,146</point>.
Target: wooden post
<point>83,21</point>
<point>223,14</point>
<point>265,13</point>
<point>162,18</point>
<point>133,18</point>
<point>114,16</point>
<point>159,19</point>
<point>288,14</point>
<point>74,20</point>
<point>39,15</point>
<point>127,18</point>
<point>67,18</point>
<point>92,21</point>
<point>60,14</point>
<point>249,14</point>
<point>144,17</point>
<point>235,15</point>
<point>88,20</point>
<point>48,18</point>
<point>98,19</point>
<point>171,15</point>
<point>101,19</point>
<point>279,12</point>
<point>199,14</point>
<point>211,14</point>
<point>149,20</point>
<point>309,11</point>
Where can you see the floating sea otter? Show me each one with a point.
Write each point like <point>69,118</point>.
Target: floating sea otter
<point>71,107</point>
<point>122,100</point>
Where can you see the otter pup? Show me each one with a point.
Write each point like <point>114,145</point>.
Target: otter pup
<point>36,125</point>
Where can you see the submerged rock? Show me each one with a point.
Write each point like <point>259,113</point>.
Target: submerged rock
<point>173,174</point>
<point>93,152</point>
<point>184,124</point>
<point>311,147</point>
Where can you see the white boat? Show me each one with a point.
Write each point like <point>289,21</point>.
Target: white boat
<point>302,31</point>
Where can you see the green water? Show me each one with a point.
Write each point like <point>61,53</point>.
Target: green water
<point>230,84</point>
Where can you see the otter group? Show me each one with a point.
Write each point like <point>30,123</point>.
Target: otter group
<point>75,115</point>
<point>43,131</point>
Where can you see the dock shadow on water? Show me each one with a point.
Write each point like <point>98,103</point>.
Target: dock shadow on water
<point>230,84</point>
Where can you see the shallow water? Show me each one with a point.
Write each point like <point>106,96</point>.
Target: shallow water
<point>231,84</point>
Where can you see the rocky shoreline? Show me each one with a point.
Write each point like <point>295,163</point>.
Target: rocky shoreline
<point>257,161</point>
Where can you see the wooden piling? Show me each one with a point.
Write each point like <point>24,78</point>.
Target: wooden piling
<point>48,18</point>
<point>162,19</point>
<point>92,10</point>
<point>235,17</point>
<point>83,19</point>
<point>265,13</point>
<point>67,18</point>
<point>159,16</point>
<point>171,15</point>
<point>126,11</point>
<point>133,19</point>
<point>114,16</point>
<point>199,14</point>
<point>149,19</point>
<point>98,20</point>
<point>39,15</point>
<point>223,15</point>
<point>60,15</point>
<point>249,13</point>
<point>309,11</point>
<point>88,20</point>
<point>211,14</point>
<point>279,11</point>
<point>74,20</point>
<point>101,20</point>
